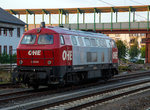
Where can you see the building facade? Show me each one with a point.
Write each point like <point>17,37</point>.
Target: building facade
<point>129,39</point>
<point>11,30</point>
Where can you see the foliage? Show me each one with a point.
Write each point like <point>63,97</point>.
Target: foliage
<point>143,51</point>
<point>122,49</point>
<point>123,68</point>
<point>134,51</point>
<point>140,62</point>
<point>4,58</point>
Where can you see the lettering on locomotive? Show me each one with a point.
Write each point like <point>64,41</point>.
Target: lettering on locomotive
<point>34,52</point>
<point>67,55</point>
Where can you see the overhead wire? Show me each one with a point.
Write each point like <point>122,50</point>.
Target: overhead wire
<point>137,2</point>
<point>130,0</point>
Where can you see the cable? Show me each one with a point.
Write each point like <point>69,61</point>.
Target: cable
<point>106,2</point>
<point>131,0</point>
<point>137,2</point>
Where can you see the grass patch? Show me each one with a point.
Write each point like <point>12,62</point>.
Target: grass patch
<point>5,77</point>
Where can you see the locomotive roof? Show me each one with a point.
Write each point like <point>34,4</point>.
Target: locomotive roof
<point>76,32</point>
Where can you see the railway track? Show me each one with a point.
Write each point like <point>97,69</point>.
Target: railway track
<point>9,85</point>
<point>15,97</point>
<point>97,98</point>
<point>22,94</point>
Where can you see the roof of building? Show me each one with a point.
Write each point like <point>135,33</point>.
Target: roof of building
<point>6,17</point>
<point>80,10</point>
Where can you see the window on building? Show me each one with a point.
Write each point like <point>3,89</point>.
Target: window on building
<point>10,50</point>
<point>10,32</point>
<point>74,40</point>
<point>0,49</point>
<point>18,32</point>
<point>62,42</point>
<point>5,49</point>
<point>5,32</point>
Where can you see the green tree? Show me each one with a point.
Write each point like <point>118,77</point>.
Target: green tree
<point>134,50</point>
<point>143,51</point>
<point>122,49</point>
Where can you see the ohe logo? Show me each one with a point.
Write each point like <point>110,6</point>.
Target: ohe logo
<point>67,55</point>
<point>34,52</point>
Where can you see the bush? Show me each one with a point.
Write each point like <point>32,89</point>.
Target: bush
<point>4,58</point>
<point>123,68</point>
<point>140,62</point>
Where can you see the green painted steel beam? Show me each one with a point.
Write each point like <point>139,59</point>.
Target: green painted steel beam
<point>96,10</point>
<point>29,12</point>
<point>78,11</point>
<point>130,18</point>
<point>27,19</point>
<point>45,11</point>
<point>59,11</point>
<point>13,12</point>
<point>100,17</point>
<point>148,9</point>
<point>50,19</point>
<point>116,17</point>
<point>112,10</point>
<point>43,17</point>
<point>19,16</point>
<point>34,21</point>
<point>68,19</point>
<point>134,16</point>
<point>83,18</point>
<point>65,19</point>
<point>61,17</point>
<point>94,19</point>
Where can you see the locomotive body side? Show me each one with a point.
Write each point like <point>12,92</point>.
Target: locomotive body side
<point>68,57</point>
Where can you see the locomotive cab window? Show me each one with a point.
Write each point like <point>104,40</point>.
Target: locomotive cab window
<point>62,42</point>
<point>45,39</point>
<point>28,39</point>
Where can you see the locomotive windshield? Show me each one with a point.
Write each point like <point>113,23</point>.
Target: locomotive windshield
<point>45,39</point>
<point>28,39</point>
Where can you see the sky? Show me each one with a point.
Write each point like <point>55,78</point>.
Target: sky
<point>43,4</point>
<point>28,4</point>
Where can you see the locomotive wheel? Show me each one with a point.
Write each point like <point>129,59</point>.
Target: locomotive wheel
<point>106,75</point>
<point>35,86</point>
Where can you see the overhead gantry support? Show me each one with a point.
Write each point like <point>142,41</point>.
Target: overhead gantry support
<point>100,20</point>
<point>148,9</point>
<point>78,11</point>
<point>130,18</point>
<point>28,12</point>
<point>95,11</point>
<point>83,18</point>
<point>112,11</point>
<point>27,18</point>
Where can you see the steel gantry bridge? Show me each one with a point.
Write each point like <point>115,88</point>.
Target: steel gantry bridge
<point>114,26</point>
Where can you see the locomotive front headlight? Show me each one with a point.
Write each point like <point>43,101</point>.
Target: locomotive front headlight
<point>49,62</point>
<point>20,62</point>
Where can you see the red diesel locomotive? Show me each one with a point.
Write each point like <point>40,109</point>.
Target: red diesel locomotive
<point>55,55</point>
